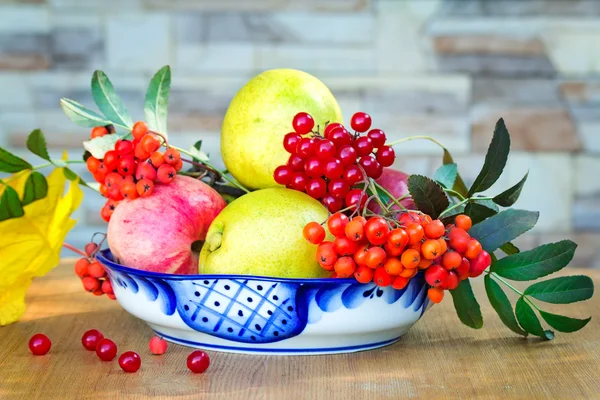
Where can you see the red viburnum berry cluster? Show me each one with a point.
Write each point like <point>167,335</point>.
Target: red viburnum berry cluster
<point>92,274</point>
<point>132,168</point>
<point>390,252</point>
<point>327,167</point>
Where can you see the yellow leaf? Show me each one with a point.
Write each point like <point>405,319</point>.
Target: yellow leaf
<point>30,245</point>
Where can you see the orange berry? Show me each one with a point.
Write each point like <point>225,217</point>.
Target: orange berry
<point>156,159</point>
<point>393,266</point>
<point>398,237</point>
<point>129,190</point>
<point>435,229</point>
<point>355,230</point>
<point>375,257</point>
<point>451,260</point>
<point>90,284</point>
<point>150,144</point>
<point>463,221</point>
<point>104,189</point>
<point>361,254</point>
<point>139,130</point>
<point>344,246</point>
<point>415,233</point>
<point>96,270</point>
<point>410,258</point>
<point>424,263</point>
<point>393,250</point>
<point>417,246</point>
<point>360,219</point>
<point>345,267</point>
<point>425,220</point>
<point>178,165</point>
<point>473,249</point>
<point>408,272</point>
<point>410,217</point>
<point>435,294</point>
<point>400,282</point>
<point>382,278</point>
<point>326,255</point>
<point>376,231</point>
<point>98,131</point>
<point>172,156</point>
<point>443,245</point>
<point>93,164</point>
<point>336,224</point>
<point>430,249</point>
<point>314,233</point>
<point>81,267</point>
<point>140,153</point>
<point>144,187</point>
<point>166,174</point>
<point>364,274</point>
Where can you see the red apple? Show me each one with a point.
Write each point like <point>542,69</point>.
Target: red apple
<point>395,182</point>
<point>157,345</point>
<point>156,233</point>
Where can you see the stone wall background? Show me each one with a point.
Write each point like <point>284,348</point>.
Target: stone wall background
<point>446,68</point>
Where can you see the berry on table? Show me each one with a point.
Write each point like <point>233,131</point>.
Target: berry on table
<point>39,344</point>
<point>130,361</point>
<point>106,349</point>
<point>158,346</point>
<point>90,339</point>
<point>198,361</point>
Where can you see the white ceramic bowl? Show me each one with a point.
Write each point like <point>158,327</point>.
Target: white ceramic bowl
<point>255,314</point>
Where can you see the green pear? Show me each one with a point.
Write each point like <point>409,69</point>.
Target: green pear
<point>260,234</point>
<point>260,115</point>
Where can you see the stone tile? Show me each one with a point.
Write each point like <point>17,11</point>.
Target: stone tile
<point>417,165</point>
<point>497,65</point>
<point>99,6</point>
<point>138,42</point>
<point>587,254</point>
<point>178,121</point>
<point>17,93</point>
<point>259,5</point>
<point>590,136</point>
<point>531,128</point>
<point>413,101</point>
<point>533,8</point>
<point>489,44</point>
<point>581,92</point>
<point>77,48</point>
<point>573,47</point>
<point>24,51</point>
<point>510,92</point>
<point>586,213</point>
<point>24,18</point>
<point>215,58</point>
<point>586,175</point>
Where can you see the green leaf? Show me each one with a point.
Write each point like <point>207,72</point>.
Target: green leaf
<point>466,305</point>
<point>72,176</point>
<point>459,184</point>
<point>108,101</point>
<point>100,145</point>
<point>511,195</point>
<point>499,300</point>
<point>503,227</point>
<point>562,323</point>
<point>82,115</point>
<point>36,188</point>
<point>198,154</point>
<point>478,212</point>
<point>10,205</point>
<point>495,159</point>
<point>36,143</point>
<point>427,195</point>
<point>157,100</point>
<point>562,290</point>
<point>529,321</point>
<point>509,249</point>
<point>535,263</point>
<point>446,175</point>
<point>486,203</point>
<point>11,163</point>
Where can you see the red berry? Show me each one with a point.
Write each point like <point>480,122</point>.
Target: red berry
<point>352,174</point>
<point>140,153</point>
<point>139,130</point>
<point>338,188</point>
<point>325,150</point>
<point>178,165</point>
<point>129,191</point>
<point>333,169</point>
<point>360,122</point>
<point>282,174</point>
<point>336,224</point>
<point>150,144</point>
<point>114,193</point>
<point>106,349</point>
<point>344,246</point>
<point>81,267</point>
<point>345,266</point>
<point>39,344</point>
<point>111,160</point>
<point>303,123</point>
<point>158,346</point>
<point>377,136</point>
<point>113,179</point>
<point>314,167</point>
<point>96,270</point>
<point>459,239</point>
<point>198,361</point>
<point>364,274</point>
<point>107,286</point>
<point>435,229</point>
<point>172,156</point>
<point>316,188</point>
<point>296,163</point>
<point>98,131</point>
<point>371,166</point>
<point>290,142</point>
<point>145,171</point>
<point>340,137</point>
<point>92,164</point>
<point>463,269</point>
<point>436,275</point>
<point>381,277</point>
<point>363,146</point>
<point>376,231</point>
<point>452,281</point>
<point>166,173</point>
<point>347,155</point>
<point>130,361</point>
<point>314,233</point>
<point>331,127</point>
<point>111,296</point>
<point>479,264</point>
<point>306,147</point>
<point>386,156</point>
<point>90,339</point>
<point>156,159</point>
<point>144,187</point>
<point>333,204</point>
<point>124,147</point>
<point>127,165</point>
<point>354,196</point>
<point>298,181</point>
<point>90,284</point>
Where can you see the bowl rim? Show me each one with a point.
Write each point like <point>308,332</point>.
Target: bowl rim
<point>102,257</point>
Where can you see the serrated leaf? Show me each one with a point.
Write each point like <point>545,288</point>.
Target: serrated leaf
<point>10,204</point>
<point>466,305</point>
<point>459,184</point>
<point>36,143</point>
<point>100,145</point>
<point>11,163</point>
<point>36,188</point>
<point>478,212</point>
<point>81,115</point>
<point>511,195</point>
<point>446,175</point>
<point>535,263</point>
<point>428,196</point>
<point>157,100</point>
<point>108,101</point>
<point>499,300</point>
<point>495,159</point>
<point>503,227</point>
<point>509,249</point>
<point>529,321</point>
<point>564,324</point>
<point>562,290</point>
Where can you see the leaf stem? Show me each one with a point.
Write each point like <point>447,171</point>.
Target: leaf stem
<point>406,139</point>
<point>387,193</point>
<point>514,289</point>
<point>455,193</point>
<point>447,210</point>
<point>374,189</point>
<point>74,249</point>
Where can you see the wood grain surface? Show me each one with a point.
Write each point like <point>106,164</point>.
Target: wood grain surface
<point>438,358</point>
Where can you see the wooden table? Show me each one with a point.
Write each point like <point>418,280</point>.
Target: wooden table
<point>438,358</point>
